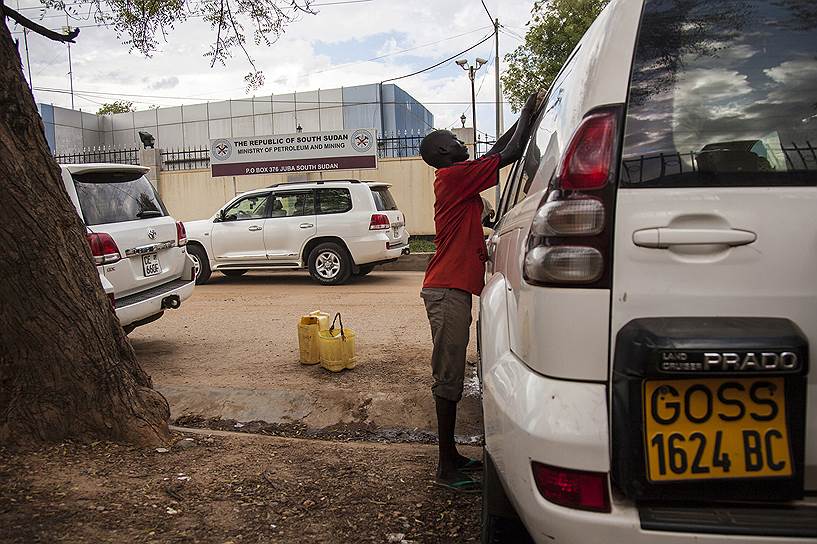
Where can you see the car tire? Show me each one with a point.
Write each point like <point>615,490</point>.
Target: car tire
<point>234,273</point>
<point>500,523</point>
<point>330,264</point>
<point>365,269</point>
<point>202,263</point>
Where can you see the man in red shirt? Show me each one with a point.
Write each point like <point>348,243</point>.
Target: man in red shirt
<point>457,272</point>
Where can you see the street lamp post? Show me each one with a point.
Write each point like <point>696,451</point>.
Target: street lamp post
<point>472,70</point>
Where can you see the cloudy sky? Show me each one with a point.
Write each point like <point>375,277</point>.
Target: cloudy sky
<point>331,49</point>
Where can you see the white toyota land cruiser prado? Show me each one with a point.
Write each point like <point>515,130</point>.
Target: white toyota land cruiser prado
<point>645,332</point>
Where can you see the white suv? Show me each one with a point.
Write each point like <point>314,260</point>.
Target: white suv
<point>336,229</point>
<point>138,248</point>
<point>652,288</point>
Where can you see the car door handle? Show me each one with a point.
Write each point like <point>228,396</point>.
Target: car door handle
<point>664,237</point>
<point>254,228</point>
<point>306,225</point>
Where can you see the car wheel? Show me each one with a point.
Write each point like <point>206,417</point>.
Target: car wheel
<point>363,270</point>
<point>500,523</point>
<point>199,257</point>
<point>330,264</point>
<point>234,273</point>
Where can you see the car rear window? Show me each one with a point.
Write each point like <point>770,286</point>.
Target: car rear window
<point>334,201</point>
<point>723,94</point>
<point>116,197</point>
<point>383,200</point>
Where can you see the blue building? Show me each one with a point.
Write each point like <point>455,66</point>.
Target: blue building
<point>387,108</point>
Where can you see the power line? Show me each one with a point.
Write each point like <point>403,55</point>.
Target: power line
<point>313,4</point>
<point>395,52</point>
<point>491,17</point>
<point>507,32</point>
<point>485,39</point>
<point>329,103</point>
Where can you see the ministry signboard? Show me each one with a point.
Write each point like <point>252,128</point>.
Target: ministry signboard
<point>287,153</point>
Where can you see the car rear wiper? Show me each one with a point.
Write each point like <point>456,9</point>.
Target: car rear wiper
<point>149,213</point>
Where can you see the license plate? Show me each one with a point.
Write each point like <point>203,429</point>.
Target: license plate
<point>703,429</point>
<point>396,234</point>
<point>150,264</point>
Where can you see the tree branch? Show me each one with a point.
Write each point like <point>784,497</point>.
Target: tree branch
<point>218,35</point>
<point>41,30</point>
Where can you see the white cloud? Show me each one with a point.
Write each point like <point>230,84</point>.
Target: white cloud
<point>102,63</point>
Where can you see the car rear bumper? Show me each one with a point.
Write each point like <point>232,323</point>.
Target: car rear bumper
<point>529,417</point>
<point>139,307</point>
<point>378,248</point>
<point>147,303</point>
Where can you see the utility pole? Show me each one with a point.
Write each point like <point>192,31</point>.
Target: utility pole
<point>67,30</point>
<point>471,75</point>
<point>498,92</point>
<point>25,40</point>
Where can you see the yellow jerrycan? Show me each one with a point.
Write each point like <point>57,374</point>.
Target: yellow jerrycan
<point>309,329</point>
<point>323,319</point>
<point>337,347</point>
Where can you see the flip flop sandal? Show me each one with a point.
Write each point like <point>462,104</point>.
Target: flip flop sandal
<point>467,486</point>
<point>472,465</point>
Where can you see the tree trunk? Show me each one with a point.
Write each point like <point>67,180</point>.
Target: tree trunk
<point>67,371</point>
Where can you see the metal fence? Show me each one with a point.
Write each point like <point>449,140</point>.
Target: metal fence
<point>388,147</point>
<point>409,146</point>
<point>399,146</point>
<point>185,159</point>
<point>196,158</point>
<point>100,154</point>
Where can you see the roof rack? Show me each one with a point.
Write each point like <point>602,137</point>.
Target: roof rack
<point>316,182</point>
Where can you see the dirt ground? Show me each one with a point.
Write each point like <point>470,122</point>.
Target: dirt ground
<point>242,332</point>
<point>236,489</point>
<point>231,351</point>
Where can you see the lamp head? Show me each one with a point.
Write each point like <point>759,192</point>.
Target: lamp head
<point>481,61</point>
<point>462,62</point>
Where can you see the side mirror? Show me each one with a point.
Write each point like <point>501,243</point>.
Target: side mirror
<point>488,222</point>
<point>221,216</point>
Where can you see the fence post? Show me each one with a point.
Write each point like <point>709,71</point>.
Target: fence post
<point>152,158</point>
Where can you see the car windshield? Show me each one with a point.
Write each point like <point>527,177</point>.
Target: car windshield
<point>383,200</point>
<point>116,197</point>
<point>723,93</point>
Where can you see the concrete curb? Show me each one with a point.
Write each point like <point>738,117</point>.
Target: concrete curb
<point>415,262</point>
<point>319,409</point>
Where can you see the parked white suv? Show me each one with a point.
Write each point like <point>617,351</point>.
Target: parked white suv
<point>652,286</point>
<point>138,248</point>
<point>334,228</point>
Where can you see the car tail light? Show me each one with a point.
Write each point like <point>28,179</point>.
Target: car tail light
<point>103,248</point>
<point>574,217</point>
<point>588,162</point>
<point>570,236</point>
<point>379,222</point>
<point>181,234</point>
<point>578,489</point>
<point>564,264</point>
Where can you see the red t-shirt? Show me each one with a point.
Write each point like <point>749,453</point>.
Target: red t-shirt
<point>459,262</point>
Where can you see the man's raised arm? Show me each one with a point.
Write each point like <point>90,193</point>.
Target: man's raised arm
<point>513,141</point>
